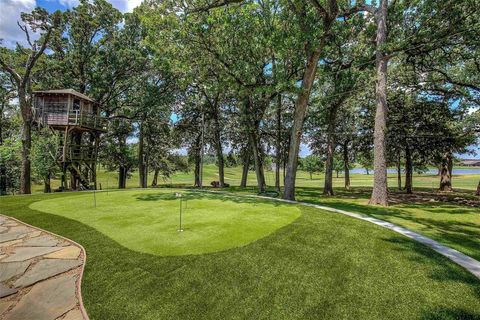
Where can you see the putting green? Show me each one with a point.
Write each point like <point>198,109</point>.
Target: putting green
<point>147,220</point>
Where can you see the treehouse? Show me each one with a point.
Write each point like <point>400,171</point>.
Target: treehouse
<point>78,120</point>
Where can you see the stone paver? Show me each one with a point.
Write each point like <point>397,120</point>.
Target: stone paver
<point>45,269</point>
<point>9,270</point>
<point>25,253</point>
<point>20,229</point>
<point>4,305</point>
<point>35,233</point>
<point>43,241</point>
<point>39,274</point>
<point>70,252</point>
<point>74,314</point>
<point>47,300</point>
<point>6,291</point>
<point>11,236</point>
<point>10,243</point>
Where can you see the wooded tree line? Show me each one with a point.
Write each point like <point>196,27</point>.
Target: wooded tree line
<point>377,83</point>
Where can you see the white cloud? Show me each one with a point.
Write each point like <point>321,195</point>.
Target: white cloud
<point>9,15</point>
<point>132,4</point>
<point>69,3</point>
<point>11,9</point>
<point>125,5</point>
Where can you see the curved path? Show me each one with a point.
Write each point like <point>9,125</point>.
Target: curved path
<point>470,264</point>
<point>40,274</point>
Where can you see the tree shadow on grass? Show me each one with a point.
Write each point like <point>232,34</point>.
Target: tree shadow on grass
<point>450,314</point>
<point>465,236</point>
<point>444,270</point>
<point>204,195</point>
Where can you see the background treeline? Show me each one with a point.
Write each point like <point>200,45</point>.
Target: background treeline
<point>379,84</point>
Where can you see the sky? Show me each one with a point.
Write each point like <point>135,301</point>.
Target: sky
<point>10,33</point>
<point>10,13</point>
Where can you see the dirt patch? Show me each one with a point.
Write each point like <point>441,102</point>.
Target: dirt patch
<point>422,197</point>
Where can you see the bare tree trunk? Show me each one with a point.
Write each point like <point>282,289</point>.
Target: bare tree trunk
<point>155,178</point>
<point>399,173</point>
<point>446,172</point>
<point>278,150</point>
<point>218,146</point>
<point>142,168</point>
<point>346,165</point>
<point>3,169</point>
<point>46,185</point>
<point>408,170</point>
<point>95,137</point>
<point>258,162</point>
<point>25,174</point>
<point>380,184</point>
<point>122,177</point>
<point>254,141</point>
<point>298,120</point>
<point>246,166</point>
<point>332,116</point>
<point>478,189</point>
<point>197,156</point>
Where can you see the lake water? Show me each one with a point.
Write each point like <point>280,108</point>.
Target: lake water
<point>430,171</point>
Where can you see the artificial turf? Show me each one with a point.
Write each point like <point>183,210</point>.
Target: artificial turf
<point>148,221</point>
<point>320,266</point>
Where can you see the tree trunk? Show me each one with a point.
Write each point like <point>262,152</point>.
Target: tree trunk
<point>246,165</point>
<point>198,161</point>
<point>408,170</point>
<point>380,184</point>
<point>96,141</point>
<point>46,185</point>
<point>122,177</point>
<point>155,178</point>
<point>346,165</point>
<point>25,183</point>
<point>298,120</point>
<point>478,189</point>
<point>218,147</point>
<point>254,141</point>
<point>446,172</point>
<point>3,169</point>
<point>278,147</point>
<point>142,168</point>
<point>399,173</point>
<point>332,116</point>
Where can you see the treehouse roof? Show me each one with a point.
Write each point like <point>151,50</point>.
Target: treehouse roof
<point>66,91</point>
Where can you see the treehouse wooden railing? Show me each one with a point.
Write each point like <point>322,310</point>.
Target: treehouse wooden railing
<point>76,153</point>
<point>54,115</point>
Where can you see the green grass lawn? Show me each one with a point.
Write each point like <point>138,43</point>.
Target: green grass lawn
<point>452,224</point>
<point>147,221</point>
<point>109,180</point>
<point>312,265</point>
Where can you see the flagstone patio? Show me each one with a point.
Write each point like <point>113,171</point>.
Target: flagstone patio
<point>40,274</point>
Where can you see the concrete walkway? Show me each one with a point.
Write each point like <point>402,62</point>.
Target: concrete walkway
<point>470,264</point>
<point>40,274</point>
